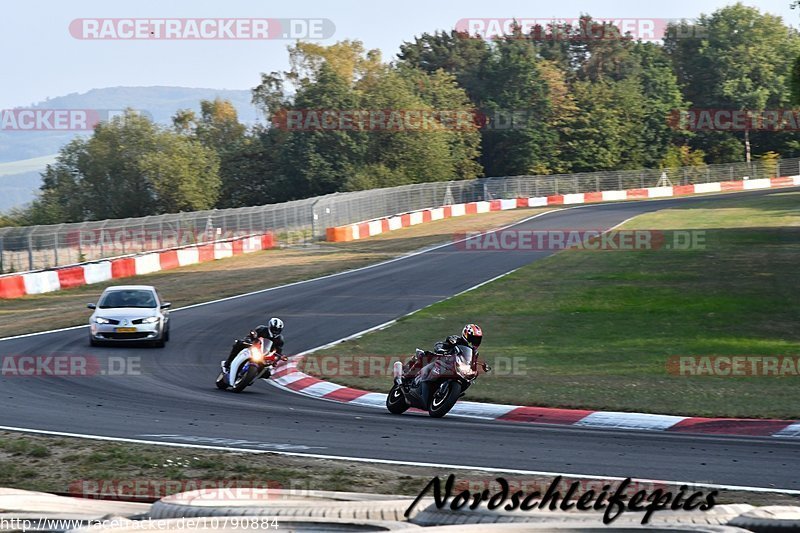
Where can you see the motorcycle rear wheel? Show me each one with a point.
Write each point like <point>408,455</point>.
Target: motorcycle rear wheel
<point>396,402</point>
<point>444,398</point>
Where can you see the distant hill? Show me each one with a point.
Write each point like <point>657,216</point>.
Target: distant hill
<point>159,102</point>
<point>23,154</point>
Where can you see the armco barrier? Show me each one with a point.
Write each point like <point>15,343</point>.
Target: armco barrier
<point>362,230</point>
<point>16,286</point>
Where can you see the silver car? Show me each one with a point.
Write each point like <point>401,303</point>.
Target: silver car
<point>129,313</point>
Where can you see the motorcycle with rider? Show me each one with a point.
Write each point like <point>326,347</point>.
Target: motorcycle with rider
<point>434,380</point>
<point>253,357</point>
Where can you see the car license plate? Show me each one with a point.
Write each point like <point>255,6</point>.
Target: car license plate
<point>125,330</point>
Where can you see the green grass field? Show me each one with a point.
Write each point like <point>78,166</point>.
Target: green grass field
<point>590,329</point>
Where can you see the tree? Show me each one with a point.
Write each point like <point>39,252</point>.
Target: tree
<point>516,100</point>
<point>346,78</point>
<point>456,53</point>
<point>183,174</point>
<point>245,168</point>
<point>129,167</point>
<point>744,62</point>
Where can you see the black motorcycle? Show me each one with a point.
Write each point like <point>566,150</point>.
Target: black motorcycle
<point>439,384</point>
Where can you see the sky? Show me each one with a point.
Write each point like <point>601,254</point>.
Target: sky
<point>41,58</point>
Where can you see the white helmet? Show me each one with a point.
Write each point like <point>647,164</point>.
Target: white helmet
<point>275,326</point>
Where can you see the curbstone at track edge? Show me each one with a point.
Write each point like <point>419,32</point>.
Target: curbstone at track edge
<point>218,502</point>
<point>288,378</point>
<point>582,528</point>
<point>18,501</point>
<point>720,515</point>
<point>770,518</point>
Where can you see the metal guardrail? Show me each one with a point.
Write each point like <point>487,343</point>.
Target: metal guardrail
<point>301,221</point>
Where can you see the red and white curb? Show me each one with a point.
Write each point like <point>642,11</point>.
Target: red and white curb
<point>18,285</point>
<point>288,378</point>
<point>370,228</point>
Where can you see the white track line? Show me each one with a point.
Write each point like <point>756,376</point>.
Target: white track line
<point>400,463</point>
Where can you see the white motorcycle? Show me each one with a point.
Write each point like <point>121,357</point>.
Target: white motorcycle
<point>250,364</point>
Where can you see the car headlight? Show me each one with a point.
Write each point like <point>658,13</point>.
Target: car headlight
<point>101,320</point>
<point>150,320</point>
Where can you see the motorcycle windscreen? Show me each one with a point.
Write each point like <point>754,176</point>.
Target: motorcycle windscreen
<point>266,345</point>
<point>464,355</point>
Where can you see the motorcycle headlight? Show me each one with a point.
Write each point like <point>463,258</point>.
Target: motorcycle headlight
<point>101,320</point>
<point>150,320</point>
<point>256,356</point>
<point>464,369</point>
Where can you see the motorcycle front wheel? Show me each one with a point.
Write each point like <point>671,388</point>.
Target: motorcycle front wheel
<point>444,398</point>
<point>245,379</point>
<point>221,382</point>
<point>396,402</point>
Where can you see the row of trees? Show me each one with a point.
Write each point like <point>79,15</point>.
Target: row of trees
<point>551,105</point>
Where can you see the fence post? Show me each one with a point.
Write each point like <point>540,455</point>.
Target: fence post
<point>30,251</point>
<point>2,253</point>
<point>314,219</point>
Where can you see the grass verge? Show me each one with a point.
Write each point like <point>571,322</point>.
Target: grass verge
<point>596,329</point>
<point>143,472</point>
<point>241,274</point>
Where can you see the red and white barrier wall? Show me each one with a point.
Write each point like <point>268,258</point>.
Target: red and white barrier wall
<point>17,285</point>
<point>362,230</point>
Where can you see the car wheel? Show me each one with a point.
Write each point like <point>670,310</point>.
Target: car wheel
<point>159,343</point>
<point>166,335</point>
<point>93,342</point>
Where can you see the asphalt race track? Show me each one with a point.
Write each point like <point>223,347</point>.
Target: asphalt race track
<point>175,398</point>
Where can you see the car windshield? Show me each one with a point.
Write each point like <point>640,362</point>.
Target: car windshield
<point>127,298</point>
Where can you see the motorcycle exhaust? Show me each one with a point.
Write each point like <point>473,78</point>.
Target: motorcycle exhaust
<point>397,372</point>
